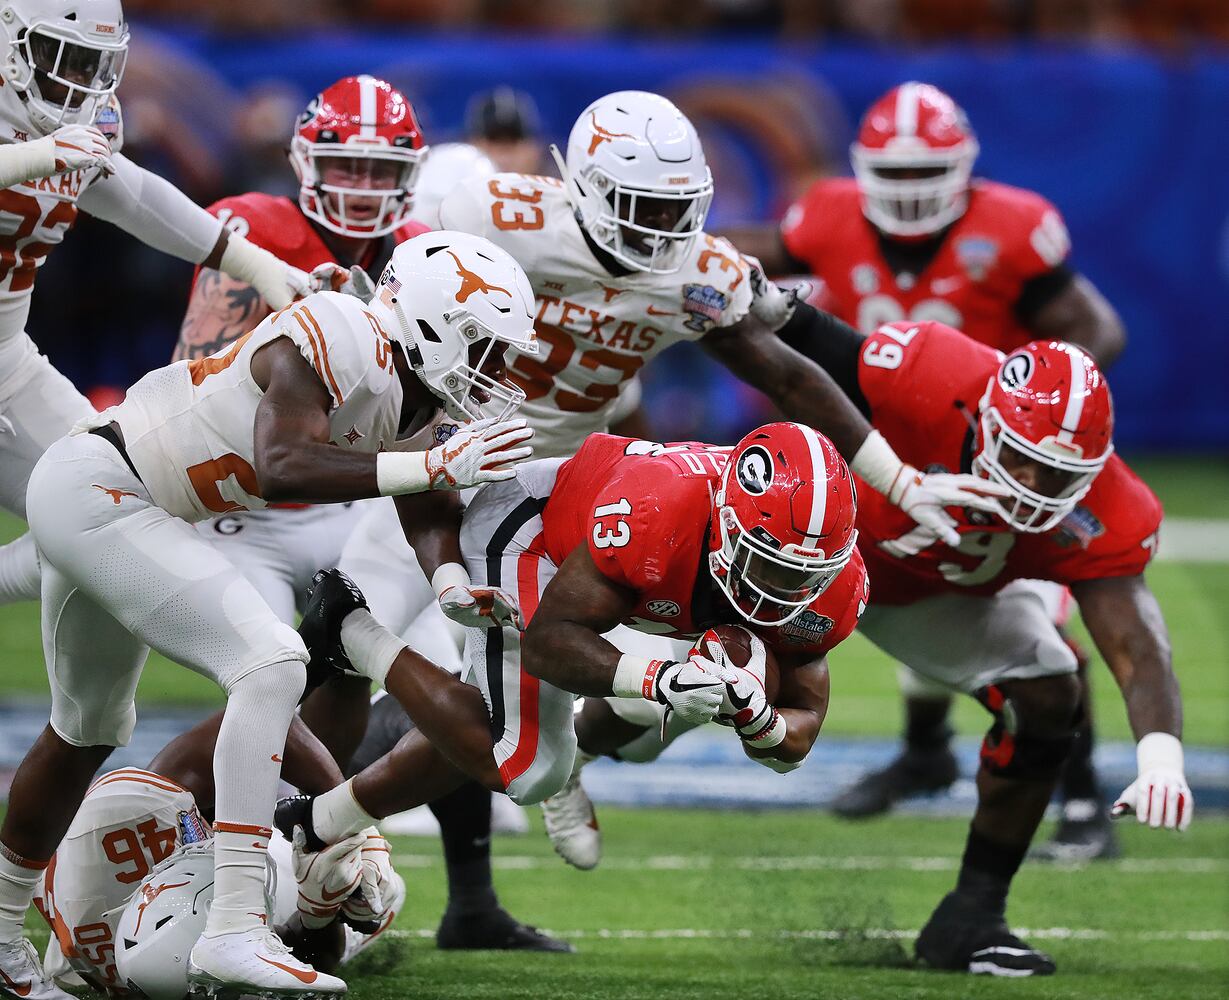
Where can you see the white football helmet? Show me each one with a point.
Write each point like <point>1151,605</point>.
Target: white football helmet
<point>162,921</point>
<point>636,176</point>
<point>63,59</point>
<point>164,917</point>
<point>445,293</point>
<point>449,164</point>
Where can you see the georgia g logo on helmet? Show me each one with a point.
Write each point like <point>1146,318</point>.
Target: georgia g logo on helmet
<point>755,471</point>
<point>1016,372</point>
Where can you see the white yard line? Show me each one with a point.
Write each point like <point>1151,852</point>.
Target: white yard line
<point>1186,539</point>
<point>832,934</point>
<point>684,862</point>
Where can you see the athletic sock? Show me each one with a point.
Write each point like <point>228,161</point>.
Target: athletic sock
<point>926,729</point>
<point>18,881</point>
<point>247,764</point>
<point>20,574</point>
<point>336,814</point>
<point>1079,778</point>
<point>986,871</point>
<point>465,828</point>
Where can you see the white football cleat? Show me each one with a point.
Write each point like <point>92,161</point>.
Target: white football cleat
<point>254,963</point>
<point>21,974</point>
<point>571,822</point>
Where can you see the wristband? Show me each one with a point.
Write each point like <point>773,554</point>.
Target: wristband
<point>636,677</point>
<point>880,466</point>
<point>371,647</point>
<point>449,575</point>
<point>767,736</point>
<point>401,472</point>
<point>26,161</point>
<point>1160,750</point>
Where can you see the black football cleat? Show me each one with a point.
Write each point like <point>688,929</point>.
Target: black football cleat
<point>912,773</point>
<point>1085,833</point>
<point>295,812</point>
<point>493,930</point>
<point>961,937</point>
<point>332,597</point>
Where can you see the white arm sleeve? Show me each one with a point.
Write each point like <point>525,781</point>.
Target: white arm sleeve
<point>153,210</point>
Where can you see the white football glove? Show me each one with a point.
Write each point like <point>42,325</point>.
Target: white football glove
<point>80,147</point>
<point>380,888</point>
<point>481,607</point>
<point>326,878</point>
<point>481,452</point>
<point>1160,795</point>
<point>745,704</point>
<point>771,304</point>
<point>694,688</point>
<point>331,277</point>
<point>924,495</point>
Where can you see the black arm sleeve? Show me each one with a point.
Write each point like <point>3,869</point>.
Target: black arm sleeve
<point>1040,291</point>
<point>832,344</point>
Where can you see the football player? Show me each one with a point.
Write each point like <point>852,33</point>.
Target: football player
<point>359,154</point>
<point>1039,423</point>
<point>665,539</point>
<point>60,140</point>
<point>621,268</point>
<point>134,819</point>
<point>317,404</point>
<point>914,237</point>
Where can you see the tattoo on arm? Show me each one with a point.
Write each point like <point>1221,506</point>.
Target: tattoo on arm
<point>220,311</point>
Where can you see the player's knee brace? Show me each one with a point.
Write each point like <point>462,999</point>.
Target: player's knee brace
<point>1011,750</point>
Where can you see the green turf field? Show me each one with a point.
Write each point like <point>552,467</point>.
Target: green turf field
<point>794,905</point>
<point>704,904</point>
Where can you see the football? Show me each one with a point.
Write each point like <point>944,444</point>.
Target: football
<point>736,643</point>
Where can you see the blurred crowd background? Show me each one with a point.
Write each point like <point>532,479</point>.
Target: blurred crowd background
<point>1115,110</point>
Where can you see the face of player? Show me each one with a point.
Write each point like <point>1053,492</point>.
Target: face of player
<point>74,63</point>
<point>361,174</point>
<point>653,213</point>
<point>1034,475</point>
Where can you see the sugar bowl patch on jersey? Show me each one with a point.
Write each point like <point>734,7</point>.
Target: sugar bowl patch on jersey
<point>704,306</point>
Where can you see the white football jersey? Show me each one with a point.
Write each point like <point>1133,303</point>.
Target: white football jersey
<point>595,329</point>
<point>129,821</point>
<point>34,218</point>
<point>189,427</point>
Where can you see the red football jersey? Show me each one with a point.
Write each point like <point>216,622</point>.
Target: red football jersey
<point>1005,238</point>
<point>277,224</point>
<point>923,383</point>
<point>643,510</point>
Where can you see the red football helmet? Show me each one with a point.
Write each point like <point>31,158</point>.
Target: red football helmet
<point>783,522</point>
<point>357,150</point>
<point>1045,433</point>
<point>913,159</point>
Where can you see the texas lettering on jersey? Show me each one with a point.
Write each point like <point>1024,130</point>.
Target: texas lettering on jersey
<point>596,330</point>
<point>921,380</point>
<point>643,510</point>
<point>1007,237</point>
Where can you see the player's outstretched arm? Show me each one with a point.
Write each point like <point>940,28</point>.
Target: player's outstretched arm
<point>432,525</point>
<point>220,311</point>
<point>1080,314</point>
<point>1125,622</point>
<point>159,214</point>
<point>802,389</point>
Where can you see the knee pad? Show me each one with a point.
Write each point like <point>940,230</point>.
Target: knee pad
<point>1011,752</point>
<point>272,683</point>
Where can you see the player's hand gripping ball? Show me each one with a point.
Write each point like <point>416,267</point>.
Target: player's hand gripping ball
<point>736,647</point>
